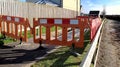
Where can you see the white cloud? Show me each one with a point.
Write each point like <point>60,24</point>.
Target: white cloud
<point>113,9</point>
<point>97,7</point>
<point>110,9</point>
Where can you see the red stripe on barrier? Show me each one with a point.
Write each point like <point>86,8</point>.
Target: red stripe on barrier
<point>12,18</point>
<point>50,21</point>
<point>66,21</point>
<point>21,19</point>
<point>4,18</point>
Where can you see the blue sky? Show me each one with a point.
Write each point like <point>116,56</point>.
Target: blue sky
<point>111,6</point>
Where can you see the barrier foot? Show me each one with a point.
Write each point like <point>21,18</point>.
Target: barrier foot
<point>40,47</point>
<point>73,52</point>
<point>20,41</point>
<point>4,37</point>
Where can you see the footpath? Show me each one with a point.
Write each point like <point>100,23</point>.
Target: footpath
<point>109,49</point>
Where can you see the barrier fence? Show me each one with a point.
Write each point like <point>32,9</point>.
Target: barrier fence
<point>66,38</point>
<point>15,27</point>
<point>51,30</point>
<point>94,25</point>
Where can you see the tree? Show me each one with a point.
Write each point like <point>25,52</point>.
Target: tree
<point>104,11</point>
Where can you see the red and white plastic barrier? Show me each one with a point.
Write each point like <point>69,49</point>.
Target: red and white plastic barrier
<point>15,27</point>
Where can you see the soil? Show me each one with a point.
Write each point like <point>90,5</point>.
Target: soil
<point>109,50</point>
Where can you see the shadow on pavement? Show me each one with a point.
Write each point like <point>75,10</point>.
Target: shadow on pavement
<point>15,56</point>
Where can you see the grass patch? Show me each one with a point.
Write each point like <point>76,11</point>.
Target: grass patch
<point>29,35</point>
<point>92,65</point>
<point>10,40</point>
<point>62,57</point>
<point>7,39</point>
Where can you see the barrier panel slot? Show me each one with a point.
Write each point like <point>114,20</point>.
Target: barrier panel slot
<point>77,35</point>
<point>10,27</point>
<point>5,26</point>
<point>2,26</point>
<point>37,32</point>
<point>13,28</point>
<point>23,31</point>
<point>59,33</point>
<point>52,32</point>
<point>43,32</point>
<point>18,32</point>
<point>70,34</point>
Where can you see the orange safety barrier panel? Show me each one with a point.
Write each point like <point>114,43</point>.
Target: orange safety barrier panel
<point>86,20</point>
<point>15,27</point>
<point>42,30</point>
<point>0,23</point>
<point>95,22</point>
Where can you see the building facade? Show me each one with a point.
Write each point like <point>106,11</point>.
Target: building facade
<point>72,5</point>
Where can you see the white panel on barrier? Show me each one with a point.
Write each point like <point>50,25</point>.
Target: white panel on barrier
<point>8,18</point>
<point>58,21</point>
<point>43,21</point>
<point>16,19</point>
<point>73,21</point>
